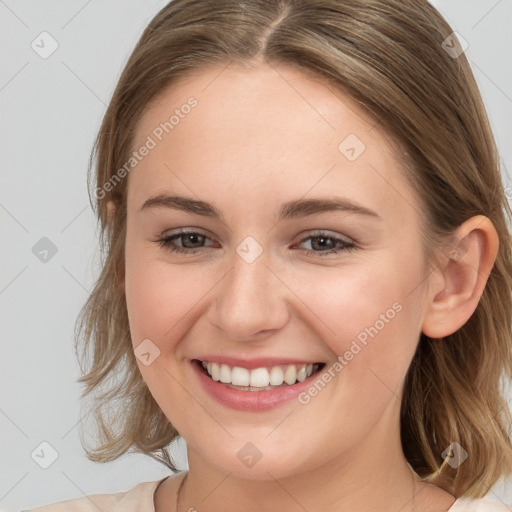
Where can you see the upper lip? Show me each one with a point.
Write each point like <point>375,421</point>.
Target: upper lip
<point>257,362</point>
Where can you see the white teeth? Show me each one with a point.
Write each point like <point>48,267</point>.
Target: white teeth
<point>259,377</point>
<point>215,372</point>
<point>225,374</point>
<point>290,375</point>
<point>240,376</point>
<point>301,374</point>
<point>276,376</point>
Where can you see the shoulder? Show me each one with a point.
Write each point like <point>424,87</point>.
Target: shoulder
<point>479,505</point>
<point>138,499</point>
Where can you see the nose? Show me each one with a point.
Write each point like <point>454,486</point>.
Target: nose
<point>250,301</point>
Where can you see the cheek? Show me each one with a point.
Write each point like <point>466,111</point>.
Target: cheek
<point>367,316</point>
<point>158,297</point>
<point>163,299</point>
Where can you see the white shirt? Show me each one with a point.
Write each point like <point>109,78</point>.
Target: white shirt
<point>140,499</point>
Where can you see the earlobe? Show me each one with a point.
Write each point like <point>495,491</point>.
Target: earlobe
<point>464,276</point>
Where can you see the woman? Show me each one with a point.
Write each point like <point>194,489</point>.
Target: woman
<point>308,264</point>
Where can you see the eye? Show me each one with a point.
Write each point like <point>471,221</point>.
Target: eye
<point>323,244</point>
<point>191,242</point>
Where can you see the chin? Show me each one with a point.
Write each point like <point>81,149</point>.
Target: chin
<point>250,463</point>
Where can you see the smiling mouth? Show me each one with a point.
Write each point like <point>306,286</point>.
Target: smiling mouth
<point>259,379</point>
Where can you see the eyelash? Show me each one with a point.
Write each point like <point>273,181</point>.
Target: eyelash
<point>168,243</point>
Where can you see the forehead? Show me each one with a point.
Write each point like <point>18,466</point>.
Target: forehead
<point>267,132</point>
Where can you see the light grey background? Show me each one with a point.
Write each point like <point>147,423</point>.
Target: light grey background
<point>51,110</point>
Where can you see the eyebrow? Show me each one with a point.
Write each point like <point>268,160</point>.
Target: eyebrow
<point>290,210</point>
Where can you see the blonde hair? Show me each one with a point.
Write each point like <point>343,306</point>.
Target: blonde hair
<point>388,56</point>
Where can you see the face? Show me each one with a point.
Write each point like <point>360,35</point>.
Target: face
<point>292,239</point>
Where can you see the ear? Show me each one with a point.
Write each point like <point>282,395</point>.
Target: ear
<point>459,285</point>
<point>111,213</point>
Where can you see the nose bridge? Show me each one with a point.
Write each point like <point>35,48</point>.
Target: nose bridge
<point>250,299</point>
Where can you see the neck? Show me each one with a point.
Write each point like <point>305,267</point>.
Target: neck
<point>373,476</point>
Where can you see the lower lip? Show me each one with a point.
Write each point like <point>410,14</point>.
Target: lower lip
<point>250,400</point>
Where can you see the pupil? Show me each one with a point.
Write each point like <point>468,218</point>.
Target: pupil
<point>193,237</point>
<point>323,241</point>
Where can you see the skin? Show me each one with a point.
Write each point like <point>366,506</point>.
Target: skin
<point>260,136</point>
